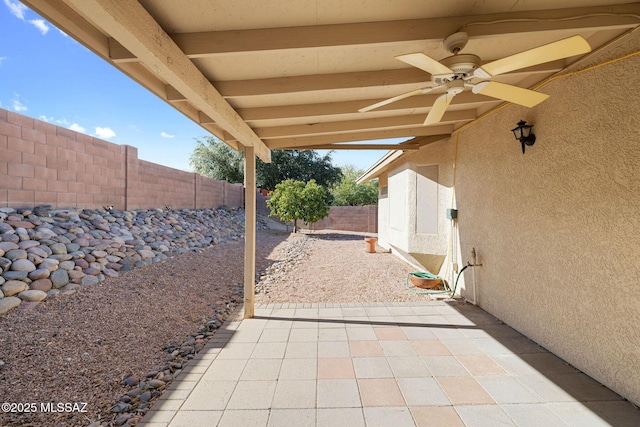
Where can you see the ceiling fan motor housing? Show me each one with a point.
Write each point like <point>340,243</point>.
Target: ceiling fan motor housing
<point>462,66</point>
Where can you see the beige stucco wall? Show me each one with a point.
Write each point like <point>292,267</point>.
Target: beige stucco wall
<point>558,228</point>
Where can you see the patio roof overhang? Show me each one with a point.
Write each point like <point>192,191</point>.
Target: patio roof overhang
<point>292,75</point>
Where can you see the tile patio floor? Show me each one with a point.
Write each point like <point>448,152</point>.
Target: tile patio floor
<point>392,364</point>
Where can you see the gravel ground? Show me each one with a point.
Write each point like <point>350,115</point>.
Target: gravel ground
<point>78,348</point>
<point>334,267</point>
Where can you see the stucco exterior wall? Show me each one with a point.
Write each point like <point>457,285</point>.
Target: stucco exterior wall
<point>558,228</point>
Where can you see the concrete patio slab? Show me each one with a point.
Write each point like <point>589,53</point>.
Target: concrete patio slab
<point>435,363</point>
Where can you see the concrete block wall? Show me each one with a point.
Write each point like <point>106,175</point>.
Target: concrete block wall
<point>41,163</point>
<point>44,164</point>
<point>363,219</point>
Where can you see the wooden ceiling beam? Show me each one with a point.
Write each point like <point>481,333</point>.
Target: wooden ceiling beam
<point>367,79</point>
<point>138,32</point>
<point>407,147</point>
<point>255,115</point>
<point>202,44</point>
<point>369,124</point>
<point>371,135</point>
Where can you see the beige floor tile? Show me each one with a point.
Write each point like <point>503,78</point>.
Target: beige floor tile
<point>209,395</point>
<point>303,335</point>
<point>301,350</point>
<point>269,350</point>
<point>237,350</point>
<point>464,391</point>
<point>292,417</point>
<point>332,349</point>
<point>238,418</point>
<point>261,370</point>
<point>485,416</point>
<point>430,348</point>
<point>225,370</point>
<point>398,348</point>
<point>299,369</point>
<point>479,364</point>
<point>372,367</point>
<point>507,390</point>
<point>380,392</point>
<point>418,333</point>
<point>408,367</point>
<point>361,333</point>
<point>388,416</point>
<point>342,393</point>
<point>252,395</point>
<point>274,335</point>
<point>340,417</point>
<point>365,349</point>
<point>445,366</point>
<point>390,333</point>
<point>196,418</point>
<point>436,416</point>
<point>462,346</point>
<point>422,392</point>
<point>332,334</point>
<point>295,394</point>
<point>333,368</point>
<point>533,415</point>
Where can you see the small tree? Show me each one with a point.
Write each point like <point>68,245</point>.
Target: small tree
<point>348,193</point>
<point>294,200</point>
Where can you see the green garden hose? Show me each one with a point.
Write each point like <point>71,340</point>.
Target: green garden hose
<point>427,275</point>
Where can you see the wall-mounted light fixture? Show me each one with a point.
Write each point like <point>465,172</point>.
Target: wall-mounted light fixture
<point>523,134</point>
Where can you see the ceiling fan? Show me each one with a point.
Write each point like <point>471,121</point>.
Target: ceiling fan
<point>456,72</point>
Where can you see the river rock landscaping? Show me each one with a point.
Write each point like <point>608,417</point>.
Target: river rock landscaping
<point>46,251</point>
<point>117,342</point>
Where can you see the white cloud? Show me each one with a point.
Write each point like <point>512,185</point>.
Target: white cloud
<point>17,104</point>
<point>40,25</point>
<point>45,118</point>
<point>17,9</point>
<point>105,133</point>
<point>76,127</point>
<point>166,135</point>
<point>2,58</point>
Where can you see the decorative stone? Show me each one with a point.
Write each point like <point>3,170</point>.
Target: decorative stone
<point>23,265</point>
<point>4,264</point>
<point>26,244</point>
<point>58,248</point>
<point>146,253</point>
<point>89,280</point>
<point>43,285</point>
<point>38,251</point>
<point>59,278</point>
<point>13,287</point>
<point>8,303</point>
<point>16,254</point>
<point>40,273</point>
<point>32,295</point>
<point>49,264</point>
<point>67,265</point>
<point>15,275</point>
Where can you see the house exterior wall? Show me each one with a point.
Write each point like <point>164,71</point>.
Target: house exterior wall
<point>558,228</point>
<point>44,164</point>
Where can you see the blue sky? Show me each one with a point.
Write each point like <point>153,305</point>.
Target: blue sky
<point>47,75</point>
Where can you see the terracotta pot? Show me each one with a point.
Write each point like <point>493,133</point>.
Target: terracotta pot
<point>371,244</point>
<point>423,282</point>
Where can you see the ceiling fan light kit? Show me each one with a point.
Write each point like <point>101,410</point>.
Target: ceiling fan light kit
<point>462,70</point>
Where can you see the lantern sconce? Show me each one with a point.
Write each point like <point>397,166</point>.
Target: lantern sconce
<point>523,134</point>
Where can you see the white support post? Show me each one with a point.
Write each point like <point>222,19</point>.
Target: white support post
<point>249,231</point>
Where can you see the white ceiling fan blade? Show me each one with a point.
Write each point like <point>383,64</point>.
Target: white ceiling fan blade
<point>438,109</point>
<point>396,98</point>
<point>571,46</point>
<point>425,63</point>
<point>514,94</point>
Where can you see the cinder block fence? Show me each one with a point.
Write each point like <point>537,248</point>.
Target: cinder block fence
<point>45,164</point>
